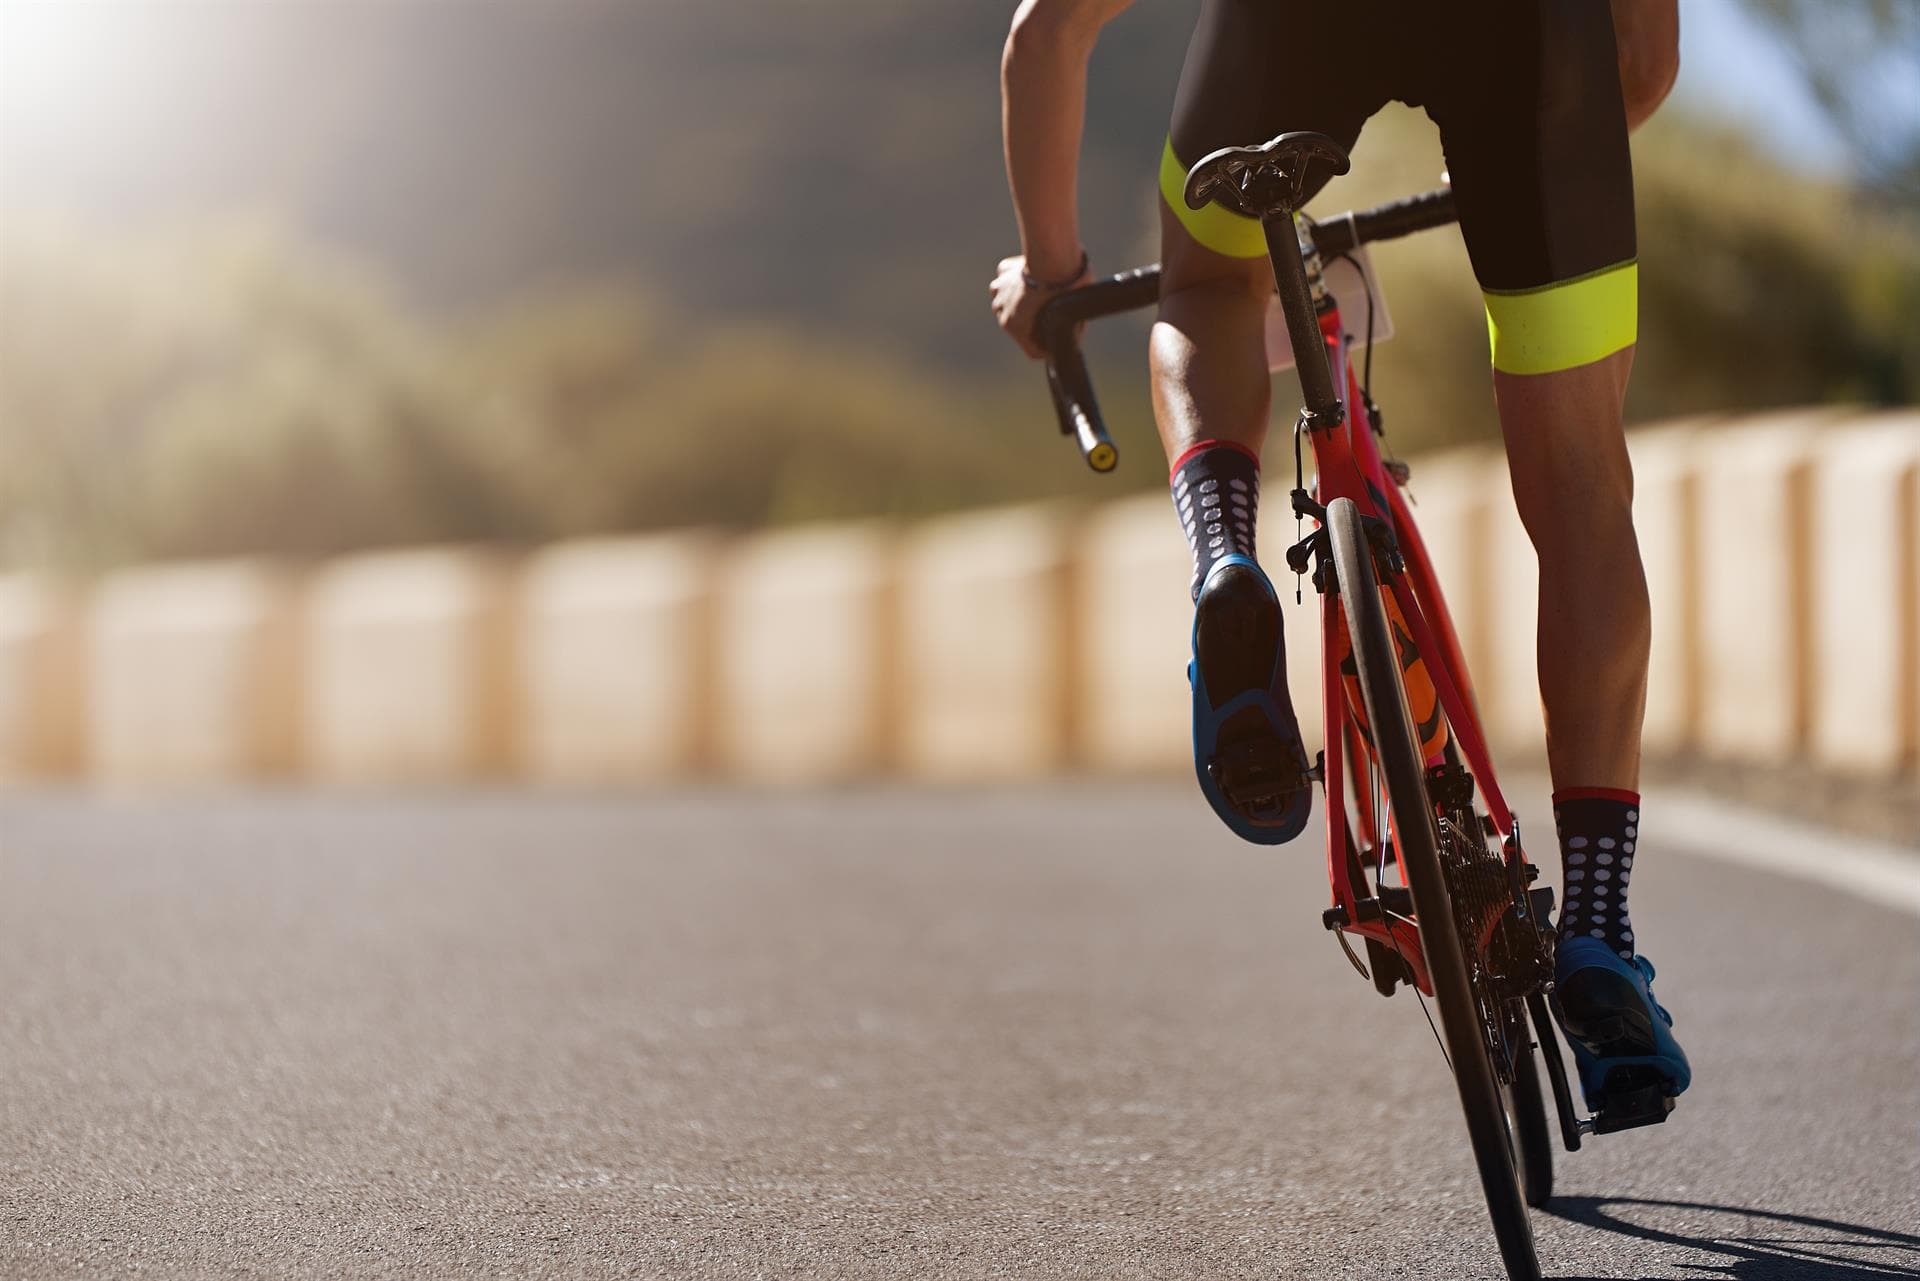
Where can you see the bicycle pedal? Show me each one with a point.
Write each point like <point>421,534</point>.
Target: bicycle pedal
<point>1650,1106</point>
<point>1253,753</point>
<point>1634,1097</point>
<point>1258,773</point>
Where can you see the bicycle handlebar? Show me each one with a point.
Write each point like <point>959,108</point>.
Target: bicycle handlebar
<point>1067,378</point>
<point>1071,386</point>
<point>1390,221</point>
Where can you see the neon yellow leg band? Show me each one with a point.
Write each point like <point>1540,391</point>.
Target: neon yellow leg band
<point>1215,227</point>
<point>1564,325</point>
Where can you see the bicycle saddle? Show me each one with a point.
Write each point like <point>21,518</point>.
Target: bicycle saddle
<point>1269,178</point>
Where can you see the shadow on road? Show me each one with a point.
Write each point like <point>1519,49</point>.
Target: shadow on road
<point>1805,1249</point>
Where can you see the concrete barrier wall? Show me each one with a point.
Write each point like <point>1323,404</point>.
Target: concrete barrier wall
<point>990,641</point>
<point>808,649</point>
<point>1864,598</point>
<point>1755,581</point>
<point>615,651</point>
<point>194,671</point>
<point>1137,617</point>
<point>1782,553</point>
<point>410,672</point>
<point>42,678</point>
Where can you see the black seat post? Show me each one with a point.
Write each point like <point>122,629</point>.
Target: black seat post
<point>1303,323</point>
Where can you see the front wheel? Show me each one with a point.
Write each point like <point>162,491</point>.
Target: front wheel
<point>1403,769</point>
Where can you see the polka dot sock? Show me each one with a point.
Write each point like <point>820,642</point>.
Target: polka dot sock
<point>1598,827</point>
<point>1216,492</point>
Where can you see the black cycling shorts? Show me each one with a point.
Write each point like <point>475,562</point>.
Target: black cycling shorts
<point>1527,97</point>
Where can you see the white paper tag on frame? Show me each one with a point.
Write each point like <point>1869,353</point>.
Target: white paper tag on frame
<point>1351,291</point>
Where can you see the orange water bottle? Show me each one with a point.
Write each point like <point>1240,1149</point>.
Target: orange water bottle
<point>1423,700</point>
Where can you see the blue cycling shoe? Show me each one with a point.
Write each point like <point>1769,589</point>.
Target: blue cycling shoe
<point>1246,741</point>
<point>1630,1066</point>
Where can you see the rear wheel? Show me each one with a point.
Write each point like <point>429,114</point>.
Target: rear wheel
<point>1479,884</point>
<point>1526,1108</point>
<point>1416,839</point>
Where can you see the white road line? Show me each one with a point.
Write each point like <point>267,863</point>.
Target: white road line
<point>1880,873</point>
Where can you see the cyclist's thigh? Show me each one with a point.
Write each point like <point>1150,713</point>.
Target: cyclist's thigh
<point>1254,69</point>
<point>1527,96</point>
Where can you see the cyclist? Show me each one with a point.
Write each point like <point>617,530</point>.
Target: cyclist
<point>1534,100</point>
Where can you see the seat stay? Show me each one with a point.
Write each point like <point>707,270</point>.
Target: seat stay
<point>1336,474</point>
<point>1333,718</point>
<point>1347,463</point>
<point>1417,592</point>
<point>1420,598</point>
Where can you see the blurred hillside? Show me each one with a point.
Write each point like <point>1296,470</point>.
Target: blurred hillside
<point>298,278</point>
<point>835,163</point>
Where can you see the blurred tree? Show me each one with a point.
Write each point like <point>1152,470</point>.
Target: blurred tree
<point>1760,288</point>
<point>233,392</point>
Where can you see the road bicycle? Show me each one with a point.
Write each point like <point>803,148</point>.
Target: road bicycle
<point>1424,856</point>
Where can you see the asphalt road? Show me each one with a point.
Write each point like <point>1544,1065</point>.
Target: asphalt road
<point>872,1034</point>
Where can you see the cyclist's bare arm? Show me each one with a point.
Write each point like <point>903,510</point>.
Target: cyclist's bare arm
<point>1647,33</point>
<point>1043,98</point>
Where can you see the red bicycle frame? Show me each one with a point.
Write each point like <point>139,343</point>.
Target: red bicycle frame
<point>1347,464</point>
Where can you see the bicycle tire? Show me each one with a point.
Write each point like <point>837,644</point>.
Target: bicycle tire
<point>1527,1113</point>
<point>1404,772</point>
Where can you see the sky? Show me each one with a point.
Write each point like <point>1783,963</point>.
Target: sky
<point>1734,68</point>
<point>1731,67</point>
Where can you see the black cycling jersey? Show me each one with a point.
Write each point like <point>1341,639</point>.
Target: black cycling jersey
<point>1527,97</point>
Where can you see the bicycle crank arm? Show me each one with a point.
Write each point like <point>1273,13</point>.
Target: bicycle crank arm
<point>1572,1126</point>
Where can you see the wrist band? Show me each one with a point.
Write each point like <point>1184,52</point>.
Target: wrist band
<point>1034,282</point>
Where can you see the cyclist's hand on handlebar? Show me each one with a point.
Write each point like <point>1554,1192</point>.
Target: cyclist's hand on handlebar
<point>1017,304</point>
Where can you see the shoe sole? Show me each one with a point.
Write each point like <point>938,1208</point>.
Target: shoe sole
<point>1237,640</point>
<point>1605,1013</point>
